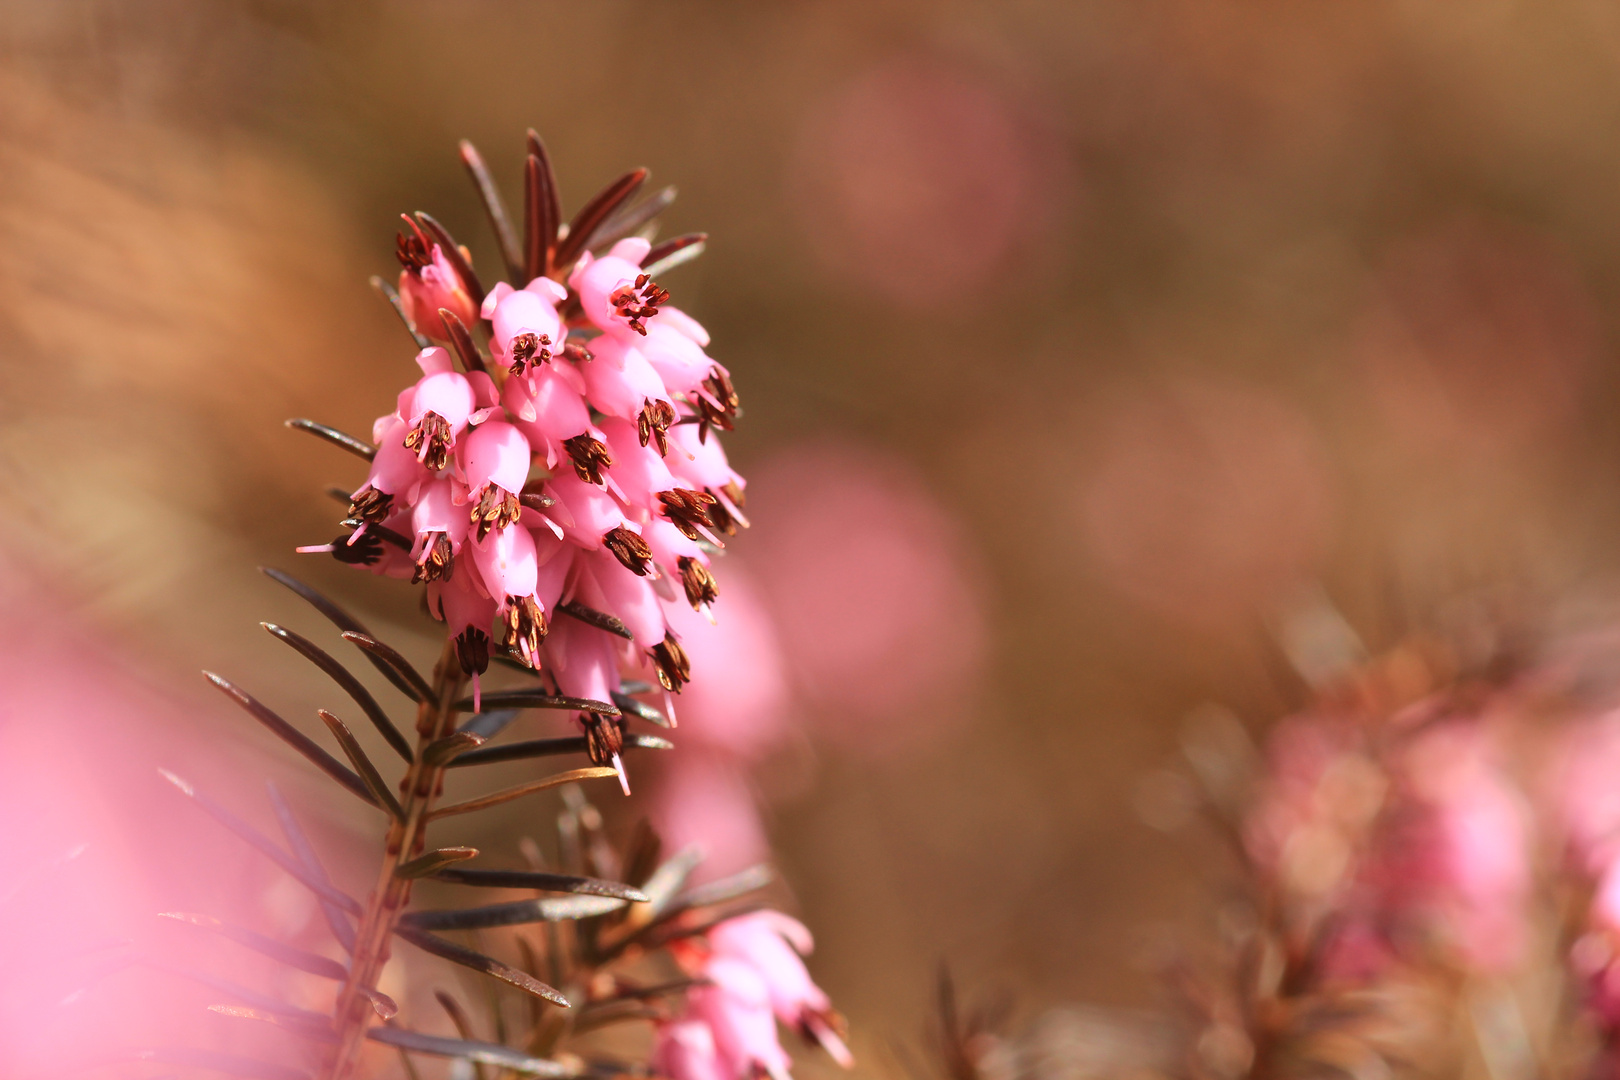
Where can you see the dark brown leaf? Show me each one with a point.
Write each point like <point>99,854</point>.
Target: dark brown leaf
<point>304,852</point>
<point>593,213</point>
<point>453,252</point>
<point>567,744</point>
<point>529,699</point>
<point>391,294</point>
<point>342,620</point>
<point>351,685</point>
<point>294,738</point>
<point>518,912</point>
<point>488,1053</point>
<point>499,221</point>
<point>419,690</point>
<point>433,862</point>
<point>520,790</point>
<point>466,348</point>
<point>535,879</point>
<point>479,962</point>
<point>362,765</point>
<point>355,446</point>
<point>631,218</point>
<point>599,619</point>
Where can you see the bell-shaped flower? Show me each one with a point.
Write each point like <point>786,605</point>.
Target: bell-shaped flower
<point>440,526</point>
<point>774,944</point>
<point>683,557</point>
<point>680,362</point>
<point>525,330</point>
<point>736,1004</point>
<point>468,612</point>
<point>645,481</point>
<point>592,519</point>
<point>617,296</point>
<point>605,584</point>
<point>701,461</point>
<point>620,382</point>
<point>393,480</point>
<point>428,281</point>
<point>549,408</point>
<point>685,1050</point>
<point>440,409</point>
<point>495,461</point>
<point>508,564</point>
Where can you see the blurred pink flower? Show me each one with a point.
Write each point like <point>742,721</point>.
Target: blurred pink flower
<point>704,800</point>
<point>427,282</point>
<point>920,179</point>
<point>1459,858</point>
<point>1585,795</point>
<point>685,1050</point>
<point>1205,500</point>
<point>736,1006</point>
<point>880,617</point>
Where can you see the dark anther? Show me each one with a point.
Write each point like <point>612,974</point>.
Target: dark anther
<point>414,251</point>
<point>699,583</point>
<point>674,670</point>
<point>472,649</point>
<point>604,737</point>
<point>638,302</point>
<point>371,505</point>
<point>734,493</point>
<point>437,562</point>
<point>529,350</point>
<point>721,517</point>
<point>688,509</point>
<point>363,552</point>
<point>718,406</point>
<point>629,549</point>
<point>433,432</point>
<point>525,628</point>
<point>496,508</point>
<point>654,422</point>
<point>590,457</point>
<point>577,352</point>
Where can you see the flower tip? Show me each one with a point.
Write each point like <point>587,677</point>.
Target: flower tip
<point>624,779</point>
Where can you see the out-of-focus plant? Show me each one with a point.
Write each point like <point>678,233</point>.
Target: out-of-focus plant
<point>555,479</point>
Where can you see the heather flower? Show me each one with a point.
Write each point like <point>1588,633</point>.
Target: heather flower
<point>774,944</point>
<point>685,1051</point>
<point>575,462</point>
<point>429,281</point>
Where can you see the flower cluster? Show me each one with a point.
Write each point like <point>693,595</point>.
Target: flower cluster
<point>572,469</point>
<point>752,976</point>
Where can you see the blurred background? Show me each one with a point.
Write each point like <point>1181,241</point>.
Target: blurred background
<point>1080,344</point>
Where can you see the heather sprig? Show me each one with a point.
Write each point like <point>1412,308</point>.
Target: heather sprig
<point>554,481</point>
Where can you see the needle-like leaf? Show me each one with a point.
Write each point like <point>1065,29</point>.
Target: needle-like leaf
<point>294,738</point>
<point>530,699</point>
<point>516,913</point>
<point>313,963</point>
<point>418,687</point>
<point>630,218</point>
<point>499,221</point>
<point>443,751</point>
<point>593,213</point>
<point>520,790</point>
<point>674,252</point>
<point>487,725</point>
<point>304,852</point>
<point>566,744</point>
<point>631,707</point>
<point>462,339</point>
<point>342,620</point>
<point>242,994</point>
<point>391,294</point>
<point>534,879</point>
<point>362,765</point>
<point>264,844</point>
<point>488,1053</point>
<point>599,619</point>
<point>351,686</point>
<point>458,1017</point>
<point>449,950</point>
<point>727,888</point>
<point>358,447</point>
<point>433,862</point>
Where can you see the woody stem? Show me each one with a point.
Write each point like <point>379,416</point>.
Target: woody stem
<point>406,838</point>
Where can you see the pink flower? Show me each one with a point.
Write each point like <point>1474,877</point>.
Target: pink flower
<point>736,1006</point>
<point>495,462</point>
<point>685,1050</point>
<point>617,297</point>
<point>428,281</point>
<point>440,527</point>
<point>774,944</point>
<point>525,330</point>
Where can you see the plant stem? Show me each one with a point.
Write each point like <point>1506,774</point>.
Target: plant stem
<point>407,838</point>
